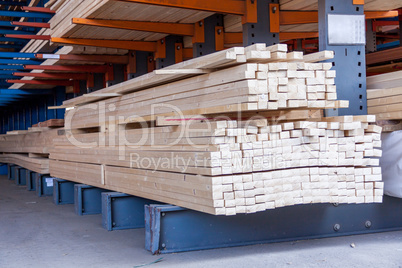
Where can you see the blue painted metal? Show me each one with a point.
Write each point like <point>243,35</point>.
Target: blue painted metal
<point>15,61</point>
<point>87,199</point>
<point>349,61</point>
<point>260,32</point>
<point>15,40</point>
<point>122,211</point>
<point>7,31</point>
<point>16,46</point>
<point>25,91</point>
<point>3,169</point>
<point>63,191</point>
<point>11,67</point>
<point>10,171</point>
<point>173,229</point>
<point>388,45</point>
<point>44,185</point>
<point>31,180</point>
<point>7,72</point>
<point>7,76</point>
<point>25,14</point>
<point>13,172</point>
<point>17,55</point>
<point>201,49</point>
<point>20,176</point>
<point>12,3</point>
<point>170,41</point>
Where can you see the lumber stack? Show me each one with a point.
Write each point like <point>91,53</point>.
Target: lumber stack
<point>230,167</point>
<point>32,162</point>
<point>384,96</point>
<point>263,79</point>
<point>35,140</point>
<point>233,132</point>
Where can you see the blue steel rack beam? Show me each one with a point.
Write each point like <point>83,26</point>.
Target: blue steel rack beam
<point>171,229</point>
<point>25,14</point>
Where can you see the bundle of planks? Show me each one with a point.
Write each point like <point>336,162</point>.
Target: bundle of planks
<point>28,148</point>
<point>264,78</point>
<point>35,163</point>
<point>230,167</point>
<point>384,96</point>
<point>232,132</point>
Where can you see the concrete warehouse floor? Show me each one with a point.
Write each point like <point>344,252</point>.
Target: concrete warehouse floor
<point>36,233</point>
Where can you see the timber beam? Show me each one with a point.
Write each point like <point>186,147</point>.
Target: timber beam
<point>119,44</point>
<point>246,8</point>
<point>155,27</point>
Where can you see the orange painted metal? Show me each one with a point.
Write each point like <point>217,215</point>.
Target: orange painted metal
<point>187,53</point>
<point>302,17</point>
<point>199,32</point>
<point>155,27</point>
<point>274,18</point>
<point>39,9</point>
<point>28,36</point>
<point>298,17</point>
<point>297,35</point>
<point>120,44</point>
<point>219,38</point>
<point>132,62</point>
<point>358,2</point>
<point>69,68</point>
<point>76,87</point>
<point>178,55</point>
<point>116,59</point>
<point>380,14</point>
<point>233,38</point>
<point>226,7</point>
<point>78,76</point>
<point>31,24</point>
<point>90,80</point>
<point>150,64</point>
<point>251,12</point>
<point>109,75</point>
<point>160,49</point>
<point>42,82</point>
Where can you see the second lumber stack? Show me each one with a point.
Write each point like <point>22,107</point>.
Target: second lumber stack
<point>208,158</point>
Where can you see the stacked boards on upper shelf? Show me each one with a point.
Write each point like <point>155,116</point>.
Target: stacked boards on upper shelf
<point>384,96</point>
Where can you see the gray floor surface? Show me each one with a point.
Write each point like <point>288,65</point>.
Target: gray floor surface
<point>36,233</point>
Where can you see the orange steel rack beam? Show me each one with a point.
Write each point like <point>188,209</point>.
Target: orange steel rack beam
<point>116,59</point>
<point>28,36</point>
<point>69,68</point>
<point>31,24</point>
<point>43,82</point>
<point>76,76</point>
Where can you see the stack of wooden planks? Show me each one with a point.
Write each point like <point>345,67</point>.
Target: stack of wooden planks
<point>384,96</point>
<point>263,79</point>
<point>34,163</point>
<point>28,148</point>
<point>233,132</point>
